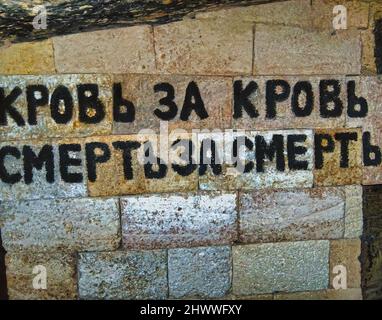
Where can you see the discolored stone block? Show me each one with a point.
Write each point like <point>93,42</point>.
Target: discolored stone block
<point>215,98</point>
<point>120,50</point>
<point>24,267</point>
<point>370,89</point>
<point>357,14</point>
<point>331,294</point>
<point>346,253</point>
<point>372,244</point>
<point>123,275</point>
<point>66,224</point>
<point>204,47</point>
<point>291,13</point>
<point>178,220</point>
<point>112,173</point>
<point>199,272</point>
<point>295,51</point>
<point>46,126</point>
<point>368,47</point>
<point>353,212</point>
<point>27,58</point>
<point>337,169</point>
<point>267,268</point>
<point>287,215</point>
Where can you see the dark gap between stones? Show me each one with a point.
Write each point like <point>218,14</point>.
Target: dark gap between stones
<point>3,278</point>
<point>378,45</point>
<point>371,253</point>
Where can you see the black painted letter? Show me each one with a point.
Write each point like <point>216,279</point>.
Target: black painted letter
<point>31,161</point>
<point>88,100</point>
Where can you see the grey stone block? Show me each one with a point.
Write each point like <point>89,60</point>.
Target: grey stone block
<point>123,275</point>
<point>281,267</point>
<point>200,272</point>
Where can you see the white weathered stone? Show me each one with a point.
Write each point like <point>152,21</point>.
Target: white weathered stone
<point>65,224</point>
<point>178,220</point>
<point>287,215</point>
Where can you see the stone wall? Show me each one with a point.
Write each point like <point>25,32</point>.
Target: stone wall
<point>268,235</point>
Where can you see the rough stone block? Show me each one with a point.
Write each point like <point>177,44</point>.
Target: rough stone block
<point>368,47</point>
<point>288,266</point>
<point>370,89</point>
<point>216,94</point>
<point>204,47</point>
<point>199,272</point>
<point>27,58</point>
<point>123,275</point>
<point>331,173</point>
<point>121,50</point>
<point>291,13</point>
<point>296,51</point>
<point>372,248</point>
<point>157,221</point>
<point>40,188</point>
<point>346,253</point>
<point>285,117</point>
<point>111,173</point>
<point>331,294</point>
<point>357,13</point>
<point>233,179</point>
<point>61,272</point>
<point>300,214</point>
<point>65,224</point>
<point>353,212</point>
<point>45,126</point>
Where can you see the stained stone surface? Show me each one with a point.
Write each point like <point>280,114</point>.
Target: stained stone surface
<point>288,266</point>
<point>357,13</point>
<point>123,275</point>
<point>372,243</point>
<point>122,50</point>
<point>353,212</point>
<point>27,58</point>
<point>300,214</point>
<point>346,253</point>
<point>61,271</point>
<point>296,51</point>
<point>178,220</point>
<point>199,272</point>
<point>291,13</point>
<point>111,173</point>
<point>332,174</point>
<point>331,294</point>
<point>204,47</point>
